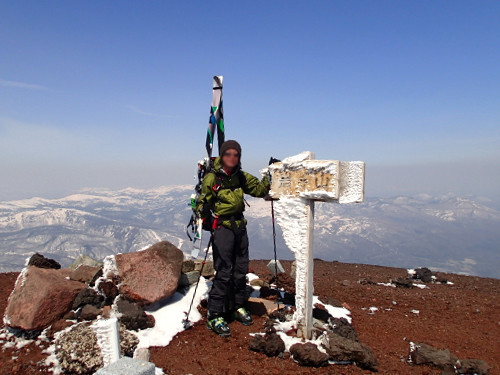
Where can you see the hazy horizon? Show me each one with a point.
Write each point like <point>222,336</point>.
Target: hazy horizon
<point>482,179</point>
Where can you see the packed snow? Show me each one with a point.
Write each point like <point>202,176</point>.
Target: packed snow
<point>170,315</point>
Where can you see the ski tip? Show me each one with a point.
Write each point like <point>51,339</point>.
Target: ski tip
<point>218,81</point>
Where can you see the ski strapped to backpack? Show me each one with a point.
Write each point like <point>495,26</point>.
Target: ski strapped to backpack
<point>215,127</point>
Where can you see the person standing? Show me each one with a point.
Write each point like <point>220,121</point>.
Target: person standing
<point>221,207</point>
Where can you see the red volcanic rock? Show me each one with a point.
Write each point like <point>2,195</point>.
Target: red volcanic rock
<point>86,274</point>
<point>41,296</point>
<point>308,354</point>
<point>150,275</point>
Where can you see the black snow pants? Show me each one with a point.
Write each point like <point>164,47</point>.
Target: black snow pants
<point>230,252</point>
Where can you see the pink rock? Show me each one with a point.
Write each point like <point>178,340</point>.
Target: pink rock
<point>40,297</point>
<point>150,275</point>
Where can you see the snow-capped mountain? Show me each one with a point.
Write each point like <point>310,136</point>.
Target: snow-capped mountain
<point>445,233</point>
<point>95,223</point>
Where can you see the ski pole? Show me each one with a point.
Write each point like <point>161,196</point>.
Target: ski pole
<point>186,322</point>
<point>275,255</point>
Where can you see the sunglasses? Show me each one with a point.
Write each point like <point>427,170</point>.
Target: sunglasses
<point>235,154</point>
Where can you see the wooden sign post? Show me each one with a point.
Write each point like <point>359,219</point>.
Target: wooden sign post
<point>298,182</point>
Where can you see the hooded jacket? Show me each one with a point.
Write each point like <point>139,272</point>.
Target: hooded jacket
<point>222,195</point>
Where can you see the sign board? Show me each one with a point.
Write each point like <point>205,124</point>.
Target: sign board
<point>322,180</point>
<point>298,182</point>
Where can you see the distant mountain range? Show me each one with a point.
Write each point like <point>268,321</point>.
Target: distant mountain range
<point>446,233</point>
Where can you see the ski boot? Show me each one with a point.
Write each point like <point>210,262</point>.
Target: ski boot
<point>242,316</point>
<point>218,325</point>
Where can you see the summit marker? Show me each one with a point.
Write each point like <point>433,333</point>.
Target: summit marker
<point>298,182</point>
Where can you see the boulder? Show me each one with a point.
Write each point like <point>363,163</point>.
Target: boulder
<point>86,274</point>
<point>308,354</point>
<point>423,354</point>
<point>41,296</point>
<point>402,283</point>
<point>150,275</point>
<point>133,316</point>
<point>274,345</point>
<point>110,291</point>
<point>342,349</point>
<point>270,344</point>
<point>38,260</point>
<point>187,266</point>
<point>208,268</point>
<point>189,278</point>
<point>260,306</point>
<point>90,312</point>
<point>473,366</point>
<point>87,296</point>
<point>341,327</point>
<point>424,274</point>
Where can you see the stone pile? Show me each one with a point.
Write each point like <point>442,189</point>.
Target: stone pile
<point>47,296</point>
<point>335,339</point>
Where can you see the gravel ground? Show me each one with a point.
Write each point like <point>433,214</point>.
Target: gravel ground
<point>463,317</point>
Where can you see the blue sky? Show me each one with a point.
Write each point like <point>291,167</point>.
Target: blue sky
<point>116,94</point>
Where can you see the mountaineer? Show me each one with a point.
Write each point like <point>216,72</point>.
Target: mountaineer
<point>221,207</point>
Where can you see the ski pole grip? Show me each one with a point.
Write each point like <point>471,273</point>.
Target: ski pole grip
<point>273,160</point>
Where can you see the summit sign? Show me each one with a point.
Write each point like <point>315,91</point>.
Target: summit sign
<point>298,182</point>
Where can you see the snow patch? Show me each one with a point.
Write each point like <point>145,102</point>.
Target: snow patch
<point>336,312</point>
<point>387,284</point>
<point>109,266</point>
<point>421,286</point>
<point>372,310</point>
<point>252,276</point>
<point>169,316</point>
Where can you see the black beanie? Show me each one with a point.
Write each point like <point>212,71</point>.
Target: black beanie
<point>230,145</point>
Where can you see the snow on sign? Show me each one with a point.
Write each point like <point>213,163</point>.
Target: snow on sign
<point>325,180</point>
<point>297,182</point>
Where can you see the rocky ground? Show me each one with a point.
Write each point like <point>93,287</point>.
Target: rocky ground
<point>463,317</point>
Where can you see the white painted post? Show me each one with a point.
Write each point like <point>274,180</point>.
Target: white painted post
<point>297,182</point>
<point>306,330</point>
<point>114,338</point>
<point>108,338</point>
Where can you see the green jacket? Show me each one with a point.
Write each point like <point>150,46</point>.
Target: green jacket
<point>228,201</point>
